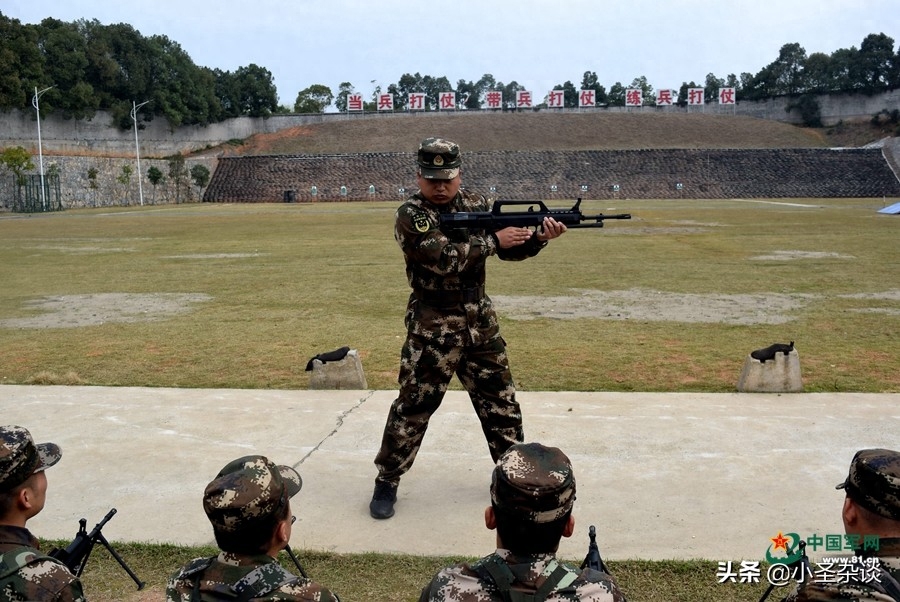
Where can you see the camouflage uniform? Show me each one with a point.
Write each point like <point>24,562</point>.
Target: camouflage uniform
<point>25,572</point>
<point>38,576</point>
<point>536,484</point>
<point>219,575</point>
<point>874,484</point>
<point>451,324</point>
<point>246,491</point>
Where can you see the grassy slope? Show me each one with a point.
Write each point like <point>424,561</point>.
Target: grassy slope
<point>533,131</point>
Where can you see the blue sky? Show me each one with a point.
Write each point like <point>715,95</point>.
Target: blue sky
<point>538,43</point>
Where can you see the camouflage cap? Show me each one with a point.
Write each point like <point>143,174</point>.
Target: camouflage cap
<point>534,481</point>
<point>438,159</point>
<point>874,481</point>
<point>20,457</point>
<point>248,490</point>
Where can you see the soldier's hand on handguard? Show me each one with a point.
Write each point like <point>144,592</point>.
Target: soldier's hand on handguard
<point>550,229</point>
<point>512,236</point>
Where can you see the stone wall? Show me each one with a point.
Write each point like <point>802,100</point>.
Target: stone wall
<point>639,174</point>
<point>78,190</point>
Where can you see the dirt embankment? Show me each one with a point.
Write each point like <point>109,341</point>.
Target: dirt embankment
<point>548,131</point>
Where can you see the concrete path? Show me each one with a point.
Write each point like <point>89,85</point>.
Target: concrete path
<point>661,475</point>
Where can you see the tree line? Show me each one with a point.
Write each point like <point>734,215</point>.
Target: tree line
<point>88,67</point>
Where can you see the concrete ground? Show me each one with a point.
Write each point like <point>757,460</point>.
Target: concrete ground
<point>661,475</point>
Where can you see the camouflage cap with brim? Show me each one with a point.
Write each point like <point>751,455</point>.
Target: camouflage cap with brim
<point>20,457</point>
<point>874,481</point>
<point>534,482</point>
<point>438,159</point>
<point>248,490</point>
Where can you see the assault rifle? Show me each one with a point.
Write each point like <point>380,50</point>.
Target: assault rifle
<point>593,559</point>
<point>532,217</point>
<point>76,554</point>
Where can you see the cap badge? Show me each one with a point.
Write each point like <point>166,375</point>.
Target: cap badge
<point>438,160</point>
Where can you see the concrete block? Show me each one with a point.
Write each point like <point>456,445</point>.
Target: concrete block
<point>346,373</point>
<point>778,375</point>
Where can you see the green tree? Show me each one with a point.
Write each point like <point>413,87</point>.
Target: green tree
<point>570,94</point>
<point>711,87</point>
<point>124,179</point>
<point>65,58</point>
<point>93,185</point>
<point>879,68</point>
<point>818,73</point>
<point>808,107</point>
<point>314,99</point>
<point>589,81</point>
<point>344,90</point>
<point>178,174</point>
<point>616,95</point>
<point>156,177</point>
<point>683,92</point>
<point>17,160</point>
<point>509,92</point>
<point>257,96</point>
<point>648,96</point>
<point>200,176</point>
<point>21,65</point>
<point>468,94</point>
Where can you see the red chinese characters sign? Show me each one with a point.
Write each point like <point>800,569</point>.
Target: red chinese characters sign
<point>447,101</point>
<point>587,98</point>
<point>726,96</point>
<point>633,97</point>
<point>416,101</point>
<point>556,99</point>
<point>695,96</point>
<point>494,99</point>
<point>523,99</point>
<point>664,98</point>
<point>354,102</point>
<point>385,102</point>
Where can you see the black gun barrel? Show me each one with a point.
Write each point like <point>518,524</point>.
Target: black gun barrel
<point>99,526</point>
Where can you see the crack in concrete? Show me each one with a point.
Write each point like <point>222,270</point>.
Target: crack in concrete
<point>340,422</point>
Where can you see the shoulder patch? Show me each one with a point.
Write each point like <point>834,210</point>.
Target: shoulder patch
<point>420,222</point>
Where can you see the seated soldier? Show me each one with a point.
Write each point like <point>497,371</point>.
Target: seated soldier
<point>871,508</point>
<point>25,572</point>
<point>532,494</point>
<point>248,504</point>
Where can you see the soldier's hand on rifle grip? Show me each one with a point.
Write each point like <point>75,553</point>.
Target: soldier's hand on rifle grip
<point>550,229</point>
<point>512,236</point>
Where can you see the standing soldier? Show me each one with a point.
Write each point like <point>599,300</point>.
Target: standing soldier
<point>451,324</point>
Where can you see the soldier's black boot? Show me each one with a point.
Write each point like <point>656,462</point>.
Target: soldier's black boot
<point>382,504</point>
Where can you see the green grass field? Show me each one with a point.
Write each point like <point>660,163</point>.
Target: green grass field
<point>241,296</point>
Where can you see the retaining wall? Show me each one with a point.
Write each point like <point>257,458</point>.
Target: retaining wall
<point>78,190</point>
<point>635,174</point>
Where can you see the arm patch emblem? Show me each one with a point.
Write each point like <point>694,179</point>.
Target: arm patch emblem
<point>421,223</point>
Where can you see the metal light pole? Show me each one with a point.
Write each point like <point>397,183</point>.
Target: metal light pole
<point>137,148</point>
<point>36,103</point>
